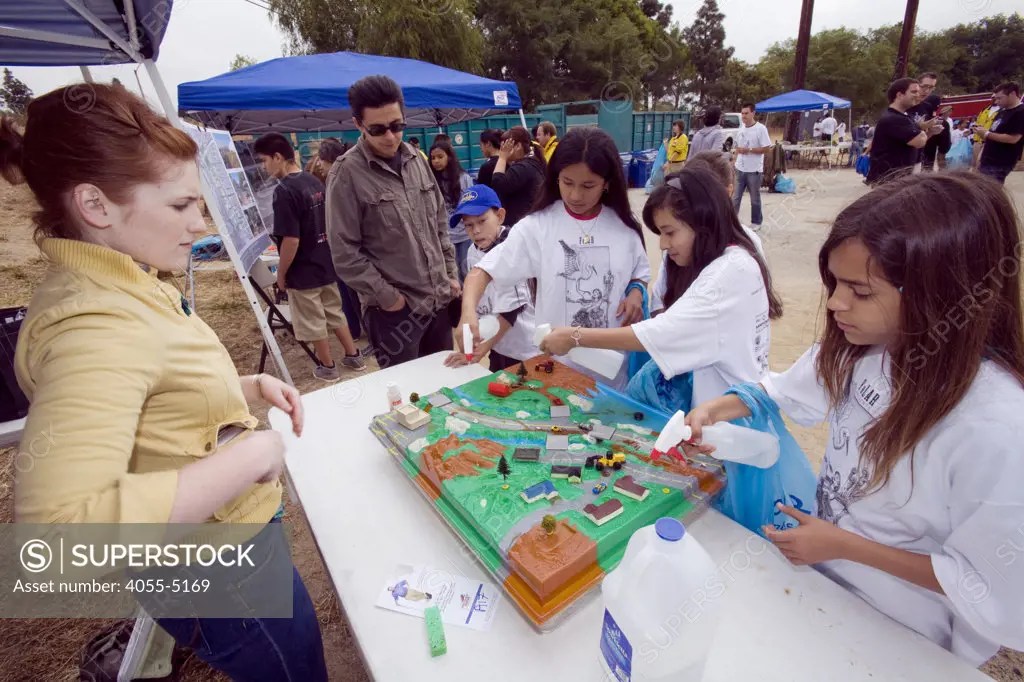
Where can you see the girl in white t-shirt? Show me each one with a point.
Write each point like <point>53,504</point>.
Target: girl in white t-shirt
<point>920,374</point>
<point>720,164</point>
<point>719,297</point>
<point>581,244</point>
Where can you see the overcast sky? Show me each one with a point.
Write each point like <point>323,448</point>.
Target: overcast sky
<point>204,35</point>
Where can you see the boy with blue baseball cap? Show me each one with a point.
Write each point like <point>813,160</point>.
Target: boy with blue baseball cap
<point>481,214</point>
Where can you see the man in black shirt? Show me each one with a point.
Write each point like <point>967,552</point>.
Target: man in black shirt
<point>1004,141</point>
<point>897,138</point>
<point>490,142</point>
<point>306,270</point>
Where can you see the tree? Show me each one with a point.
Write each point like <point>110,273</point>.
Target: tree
<point>706,40</point>
<point>241,61</point>
<point>559,50</point>
<point>549,523</point>
<point>14,95</point>
<point>503,468</point>
<point>437,31</point>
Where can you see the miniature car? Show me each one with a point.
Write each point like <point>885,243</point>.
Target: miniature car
<point>613,460</point>
<point>547,366</point>
<point>556,429</point>
<point>600,488</point>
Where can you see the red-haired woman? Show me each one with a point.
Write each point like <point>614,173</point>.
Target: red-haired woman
<point>141,391</point>
<point>920,374</point>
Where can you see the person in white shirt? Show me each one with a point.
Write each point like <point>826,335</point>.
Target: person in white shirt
<point>828,127</point>
<point>719,296</point>
<point>920,374</point>
<point>481,213</point>
<point>718,164</point>
<point>582,244</point>
<point>752,143</point>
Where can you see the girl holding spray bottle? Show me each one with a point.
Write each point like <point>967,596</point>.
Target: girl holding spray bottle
<point>920,374</point>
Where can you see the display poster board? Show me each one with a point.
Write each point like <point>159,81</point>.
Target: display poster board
<point>229,182</point>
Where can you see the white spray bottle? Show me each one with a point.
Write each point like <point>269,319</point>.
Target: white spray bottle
<point>605,362</point>
<point>732,443</point>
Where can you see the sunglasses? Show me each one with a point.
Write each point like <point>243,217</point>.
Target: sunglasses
<point>378,129</point>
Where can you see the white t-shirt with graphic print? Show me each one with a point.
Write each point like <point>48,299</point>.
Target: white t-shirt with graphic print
<point>718,329</point>
<point>517,342</point>
<point>660,288</point>
<point>582,269</point>
<point>962,505</point>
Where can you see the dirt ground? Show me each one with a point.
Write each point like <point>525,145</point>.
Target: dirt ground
<point>794,227</point>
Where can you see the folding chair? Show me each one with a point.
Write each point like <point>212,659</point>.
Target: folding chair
<point>279,314</point>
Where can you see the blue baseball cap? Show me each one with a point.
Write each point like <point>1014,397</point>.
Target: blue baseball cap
<point>475,200</point>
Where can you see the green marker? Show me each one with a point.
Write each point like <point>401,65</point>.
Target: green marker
<point>435,631</point>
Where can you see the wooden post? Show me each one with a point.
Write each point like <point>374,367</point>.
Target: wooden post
<point>803,42</point>
<point>906,38</point>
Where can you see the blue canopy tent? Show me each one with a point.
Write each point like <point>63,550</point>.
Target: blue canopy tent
<point>309,93</point>
<point>84,33</point>
<point>802,100</point>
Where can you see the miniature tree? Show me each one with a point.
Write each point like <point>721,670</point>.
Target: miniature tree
<point>521,372</point>
<point>548,523</point>
<point>503,468</point>
<point>414,397</point>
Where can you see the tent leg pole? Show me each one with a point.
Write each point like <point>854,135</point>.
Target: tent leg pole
<point>86,74</point>
<point>522,118</point>
<point>161,92</point>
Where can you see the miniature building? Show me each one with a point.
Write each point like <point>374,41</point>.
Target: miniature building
<point>526,454</point>
<point>565,471</point>
<point>604,512</point>
<point>630,488</point>
<point>558,411</point>
<point>602,432</point>
<point>411,417</point>
<point>439,400</point>
<point>496,388</point>
<point>544,489</point>
<point>557,442</point>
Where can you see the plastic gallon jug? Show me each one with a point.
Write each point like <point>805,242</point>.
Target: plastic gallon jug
<point>605,362</point>
<point>732,443</point>
<point>662,607</point>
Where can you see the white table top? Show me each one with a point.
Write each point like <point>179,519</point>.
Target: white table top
<point>10,432</point>
<point>781,622</point>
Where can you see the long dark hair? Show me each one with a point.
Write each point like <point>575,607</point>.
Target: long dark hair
<point>448,179</point>
<point>597,150</point>
<point>951,243</point>
<point>695,196</point>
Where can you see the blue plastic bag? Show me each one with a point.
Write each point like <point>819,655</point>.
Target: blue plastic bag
<point>959,156</point>
<point>638,358</point>
<point>650,386</point>
<point>750,494</point>
<point>785,185</point>
<point>863,164</point>
<point>658,176</point>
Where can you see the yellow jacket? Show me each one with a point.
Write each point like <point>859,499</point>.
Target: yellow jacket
<point>549,148</point>
<point>678,148</point>
<point>984,120</point>
<point>125,390</point>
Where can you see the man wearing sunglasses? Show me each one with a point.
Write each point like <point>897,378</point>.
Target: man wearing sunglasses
<point>388,230</point>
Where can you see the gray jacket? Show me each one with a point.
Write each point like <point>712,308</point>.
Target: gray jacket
<point>389,233</point>
<point>708,138</point>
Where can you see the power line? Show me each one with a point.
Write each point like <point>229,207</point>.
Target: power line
<point>262,6</point>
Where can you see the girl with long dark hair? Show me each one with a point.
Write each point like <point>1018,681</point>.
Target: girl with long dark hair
<point>719,299</point>
<point>518,174</point>
<point>452,180</point>
<point>920,374</point>
<point>581,243</point>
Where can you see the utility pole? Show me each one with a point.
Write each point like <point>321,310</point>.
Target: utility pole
<point>803,42</point>
<point>903,56</point>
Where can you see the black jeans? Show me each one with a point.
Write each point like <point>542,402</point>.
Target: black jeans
<point>404,335</point>
<point>350,305</point>
<point>997,173</point>
<point>498,362</point>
